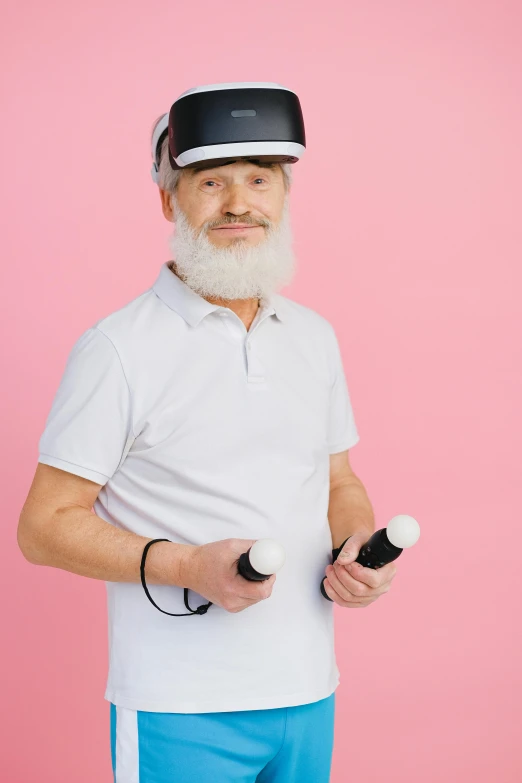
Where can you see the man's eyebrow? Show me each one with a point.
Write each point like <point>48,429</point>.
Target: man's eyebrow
<point>260,164</point>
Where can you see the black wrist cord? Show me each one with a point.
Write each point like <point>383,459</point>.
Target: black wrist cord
<point>200,610</point>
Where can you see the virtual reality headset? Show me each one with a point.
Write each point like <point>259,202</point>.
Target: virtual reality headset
<point>217,124</point>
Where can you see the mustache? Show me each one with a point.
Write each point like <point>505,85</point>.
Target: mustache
<point>230,221</point>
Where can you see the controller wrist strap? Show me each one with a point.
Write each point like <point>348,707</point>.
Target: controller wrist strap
<point>200,610</point>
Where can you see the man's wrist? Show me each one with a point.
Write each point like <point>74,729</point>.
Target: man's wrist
<point>168,563</point>
<point>186,565</point>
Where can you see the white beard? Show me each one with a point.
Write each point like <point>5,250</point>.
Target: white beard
<point>239,270</point>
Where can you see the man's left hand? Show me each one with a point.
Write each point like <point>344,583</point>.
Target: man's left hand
<point>351,584</point>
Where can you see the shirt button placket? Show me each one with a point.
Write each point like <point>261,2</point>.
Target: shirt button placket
<point>254,368</point>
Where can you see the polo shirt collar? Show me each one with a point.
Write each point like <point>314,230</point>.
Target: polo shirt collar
<point>172,290</point>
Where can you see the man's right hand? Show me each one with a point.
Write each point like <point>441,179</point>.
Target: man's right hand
<point>211,571</point>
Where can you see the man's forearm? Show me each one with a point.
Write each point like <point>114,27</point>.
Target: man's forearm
<point>77,540</point>
<point>349,509</point>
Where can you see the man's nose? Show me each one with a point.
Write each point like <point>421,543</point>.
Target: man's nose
<point>236,201</point>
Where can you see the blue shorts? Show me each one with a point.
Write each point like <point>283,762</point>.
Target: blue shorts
<point>282,745</point>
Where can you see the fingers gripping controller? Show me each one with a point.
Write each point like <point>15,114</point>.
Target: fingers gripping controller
<point>263,559</point>
<point>384,545</point>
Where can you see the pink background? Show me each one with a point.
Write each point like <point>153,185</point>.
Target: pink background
<point>406,216</point>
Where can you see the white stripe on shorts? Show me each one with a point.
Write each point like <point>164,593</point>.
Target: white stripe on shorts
<point>127,757</point>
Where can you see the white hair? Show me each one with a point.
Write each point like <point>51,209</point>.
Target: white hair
<point>169,177</point>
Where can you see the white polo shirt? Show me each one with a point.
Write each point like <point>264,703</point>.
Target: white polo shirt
<point>200,430</point>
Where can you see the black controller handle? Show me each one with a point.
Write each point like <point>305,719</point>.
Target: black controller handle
<point>376,552</point>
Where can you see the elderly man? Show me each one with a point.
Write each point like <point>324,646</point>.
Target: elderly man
<point>211,411</point>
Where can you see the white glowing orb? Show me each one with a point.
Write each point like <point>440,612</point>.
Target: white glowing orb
<point>267,556</point>
<point>403,531</point>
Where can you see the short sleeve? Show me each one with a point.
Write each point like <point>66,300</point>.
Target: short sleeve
<point>89,426</point>
<point>342,430</point>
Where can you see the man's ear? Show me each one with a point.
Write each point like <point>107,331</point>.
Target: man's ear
<point>166,205</point>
